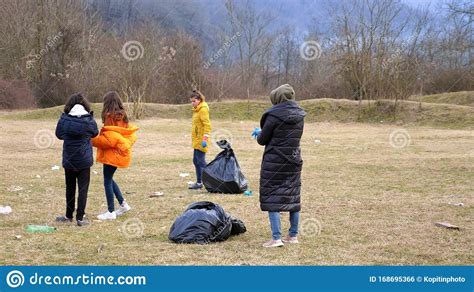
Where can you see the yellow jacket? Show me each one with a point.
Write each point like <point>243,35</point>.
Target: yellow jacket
<point>114,145</point>
<point>201,126</point>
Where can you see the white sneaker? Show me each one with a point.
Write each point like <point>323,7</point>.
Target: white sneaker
<point>123,209</point>
<point>273,243</point>
<point>290,239</point>
<point>107,216</point>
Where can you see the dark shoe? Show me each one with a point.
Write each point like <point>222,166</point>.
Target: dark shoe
<point>82,222</point>
<point>196,186</point>
<point>63,219</point>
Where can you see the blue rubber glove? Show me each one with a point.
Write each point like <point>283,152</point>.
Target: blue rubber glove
<point>256,132</point>
<point>204,142</point>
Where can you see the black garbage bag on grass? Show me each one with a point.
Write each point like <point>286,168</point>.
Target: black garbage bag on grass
<point>223,174</point>
<point>204,222</point>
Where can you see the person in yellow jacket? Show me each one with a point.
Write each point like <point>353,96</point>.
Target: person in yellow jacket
<point>114,149</point>
<point>201,130</point>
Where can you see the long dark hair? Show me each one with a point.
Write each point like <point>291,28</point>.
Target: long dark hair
<point>77,98</point>
<point>113,105</point>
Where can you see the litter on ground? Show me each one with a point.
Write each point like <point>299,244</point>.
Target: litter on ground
<point>156,194</point>
<point>40,229</point>
<point>15,188</point>
<point>447,225</point>
<point>5,210</point>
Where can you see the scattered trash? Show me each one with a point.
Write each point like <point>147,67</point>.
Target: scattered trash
<point>184,174</point>
<point>130,193</point>
<point>190,182</point>
<point>40,229</point>
<point>55,167</point>
<point>95,172</point>
<point>248,193</point>
<point>100,248</point>
<point>447,225</point>
<point>156,194</point>
<point>18,237</point>
<point>38,176</point>
<point>5,210</point>
<point>15,188</point>
<point>456,204</point>
<point>317,141</point>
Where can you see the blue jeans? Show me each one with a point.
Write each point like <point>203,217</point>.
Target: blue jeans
<point>276,225</point>
<point>199,160</point>
<point>111,188</point>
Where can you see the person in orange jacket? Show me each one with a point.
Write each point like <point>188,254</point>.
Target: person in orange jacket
<point>201,129</point>
<point>114,150</point>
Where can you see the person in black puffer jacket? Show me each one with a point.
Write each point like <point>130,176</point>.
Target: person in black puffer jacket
<point>76,127</point>
<point>280,175</point>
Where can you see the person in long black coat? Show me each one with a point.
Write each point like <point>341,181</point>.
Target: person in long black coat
<point>76,127</point>
<point>280,176</point>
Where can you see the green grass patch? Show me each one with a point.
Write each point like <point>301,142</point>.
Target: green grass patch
<point>440,115</point>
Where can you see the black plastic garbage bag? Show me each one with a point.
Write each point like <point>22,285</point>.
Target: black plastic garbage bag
<point>223,174</point>
<point>204,222</point>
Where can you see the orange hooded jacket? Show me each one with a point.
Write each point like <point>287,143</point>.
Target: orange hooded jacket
<point>114,144</point>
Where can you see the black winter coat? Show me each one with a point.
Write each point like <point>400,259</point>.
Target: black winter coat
<point>77,133</point>
<point>280,176</point>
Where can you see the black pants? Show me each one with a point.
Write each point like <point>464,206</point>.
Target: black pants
<point>82,177</point>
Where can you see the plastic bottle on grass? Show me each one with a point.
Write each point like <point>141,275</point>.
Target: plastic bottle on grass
<point>40,229</point>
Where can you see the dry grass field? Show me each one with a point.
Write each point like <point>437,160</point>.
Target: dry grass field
<point>367,199</point>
